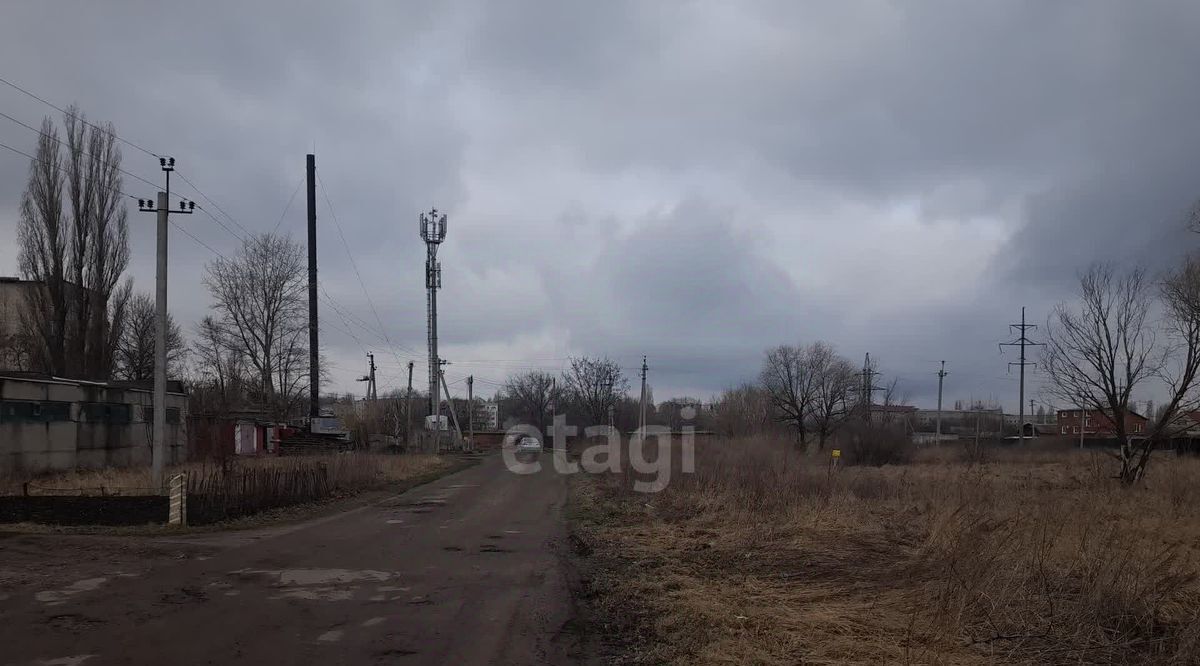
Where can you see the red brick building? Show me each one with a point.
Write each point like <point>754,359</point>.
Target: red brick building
<point>1096,423</point>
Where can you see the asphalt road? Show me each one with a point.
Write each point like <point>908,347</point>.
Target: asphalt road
<point>466,570</point>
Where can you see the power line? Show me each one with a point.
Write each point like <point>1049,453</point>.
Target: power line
<point>77,117</point>
<point>60,143</point>
<point>126,142</point>
<point>214,205</point>
<point>354,264</point>
<point>59,168</point>
<point>299,184</point>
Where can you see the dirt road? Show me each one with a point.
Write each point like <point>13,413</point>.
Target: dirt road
<point>465,570</point>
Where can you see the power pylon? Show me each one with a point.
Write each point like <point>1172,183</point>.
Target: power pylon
<point>1022,342</point>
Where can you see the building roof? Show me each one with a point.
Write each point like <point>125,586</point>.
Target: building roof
<point>173,385</point>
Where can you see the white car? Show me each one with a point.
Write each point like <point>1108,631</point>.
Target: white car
<point>529,445</point>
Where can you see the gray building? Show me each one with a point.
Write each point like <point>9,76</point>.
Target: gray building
<point>49,423</point>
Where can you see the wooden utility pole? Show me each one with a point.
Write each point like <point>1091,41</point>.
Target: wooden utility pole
<point>314,367</point>
<point>470,412</point>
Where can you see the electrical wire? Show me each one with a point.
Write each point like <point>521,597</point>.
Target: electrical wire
<point>299,184</point>
<point>354,265</point>
<point>76,116</point>
<point>62,144</point>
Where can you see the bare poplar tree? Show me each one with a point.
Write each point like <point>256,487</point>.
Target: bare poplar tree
<point>135,347</point>
<point>260,297</point>
<point>531,395</point>
<point>74,241</point>
<point>592,386</point>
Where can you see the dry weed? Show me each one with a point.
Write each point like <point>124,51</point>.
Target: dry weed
<point>1033,556</point>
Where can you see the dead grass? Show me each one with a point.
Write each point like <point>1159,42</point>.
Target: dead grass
<point>348,472</point>
<point>761,556</point>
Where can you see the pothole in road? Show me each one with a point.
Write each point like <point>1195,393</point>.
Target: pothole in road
<point>454,549</point>
<point>56,597</point>
<point>492,548</point>
<point>73,621</point>
<point>316,584</point>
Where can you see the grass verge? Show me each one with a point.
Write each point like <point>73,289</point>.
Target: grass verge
<point>764,557</point>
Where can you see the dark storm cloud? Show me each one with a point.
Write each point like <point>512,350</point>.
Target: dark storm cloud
<point>693,181</point>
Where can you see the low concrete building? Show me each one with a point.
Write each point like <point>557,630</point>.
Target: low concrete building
<point>50,423</point>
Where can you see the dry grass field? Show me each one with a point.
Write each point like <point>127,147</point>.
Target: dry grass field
<point>1035,556</point>
<point>349,472</point>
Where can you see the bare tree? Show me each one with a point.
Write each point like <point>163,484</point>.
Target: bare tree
<point>743,410</point>
<point>1102,352</point>
<point>219,376</point>
<point>74,241</point>
<point>260,298</point>
<point>135,348</point>
<point>787,376</point>
<point>834,378</point>
<point>531,395</point>
<point>592,386</point>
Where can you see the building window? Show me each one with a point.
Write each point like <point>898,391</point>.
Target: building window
<point>1076,430</point>
<point>172,414</point>
<point>13,411</point>
<point>105,412</point>
<point>1064,430</point>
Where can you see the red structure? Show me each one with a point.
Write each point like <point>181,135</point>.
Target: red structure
<point>1096,423</point>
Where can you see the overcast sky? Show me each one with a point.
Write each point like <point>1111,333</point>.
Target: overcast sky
<point>693,181</point>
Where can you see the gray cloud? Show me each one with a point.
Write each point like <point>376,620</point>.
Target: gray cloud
<point>687,180</point>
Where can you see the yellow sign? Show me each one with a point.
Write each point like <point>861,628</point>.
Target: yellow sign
<point>837,453</point>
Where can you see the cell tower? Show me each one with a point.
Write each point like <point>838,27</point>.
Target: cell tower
<point>433,232</point>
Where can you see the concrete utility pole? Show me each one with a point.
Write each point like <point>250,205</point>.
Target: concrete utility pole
<point>162,209</point>
<point>1022,341</point>
<point>374,386</point>
<point>314,367</point>
<point>470,412</point>
<point>433,231</point>
<point>369,378</point>
<point>408,411</point>
<point>941,375</point>
<point>642,417</point>
<point>450,406</point>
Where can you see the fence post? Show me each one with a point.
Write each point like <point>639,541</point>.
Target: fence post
<point>178,506</point>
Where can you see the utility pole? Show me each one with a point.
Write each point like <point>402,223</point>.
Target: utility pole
<point>450,406</point>
<point>470,412</point>
<point>369,378</point>
<point>1022,341</point>
<point>162,209</point>
<point>374,386</point>
<point>642,417</point>
<point>408,411</point>
<point>1032,411</point>
<point>314,363</point>
<point>868,386</point>
<point>433,231</point>
<point>941,375</point>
